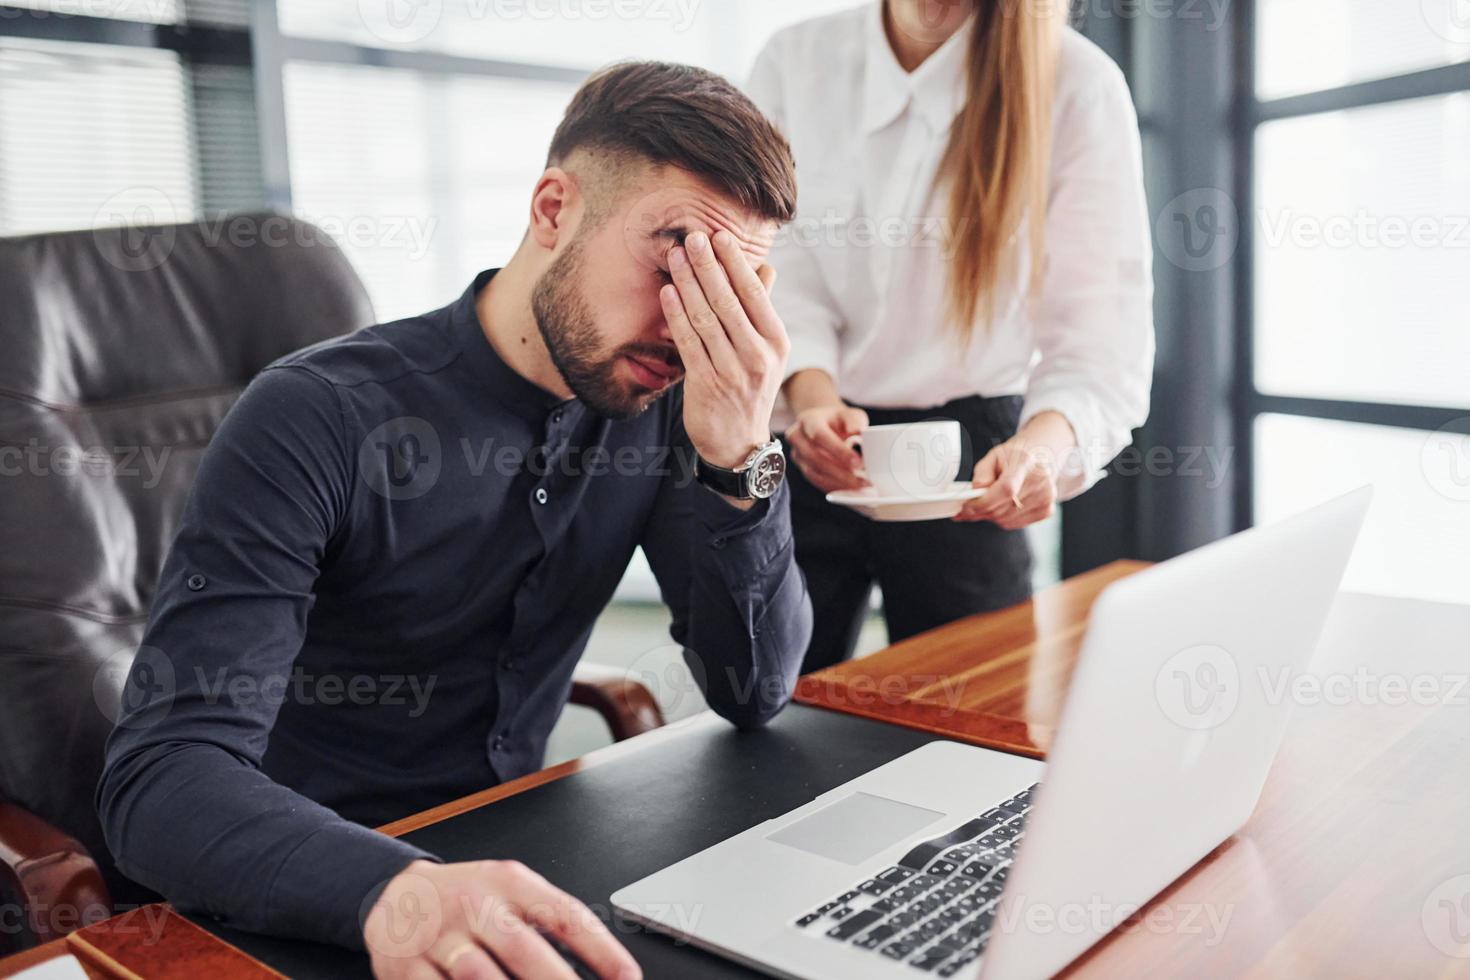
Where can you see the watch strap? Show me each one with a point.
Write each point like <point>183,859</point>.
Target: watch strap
<point>731,483</point>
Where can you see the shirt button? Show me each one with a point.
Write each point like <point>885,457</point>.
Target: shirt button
<point>541,495</point>
<point>508,664</point>
<point>499,742</point>
<point>196,582</point>
<point>556,416</point>
<point>718,542</point>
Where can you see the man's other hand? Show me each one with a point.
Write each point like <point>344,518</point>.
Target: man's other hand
<point>485,919</point>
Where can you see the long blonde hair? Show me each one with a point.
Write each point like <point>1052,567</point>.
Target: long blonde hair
<point>999,152</point>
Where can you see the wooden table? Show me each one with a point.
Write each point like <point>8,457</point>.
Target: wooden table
<point>996,679</point>
<point>1354,863</point>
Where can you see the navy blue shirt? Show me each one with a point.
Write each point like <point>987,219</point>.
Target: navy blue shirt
<point>389,565</point>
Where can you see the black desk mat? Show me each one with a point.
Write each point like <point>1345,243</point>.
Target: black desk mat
<point>597,830</point>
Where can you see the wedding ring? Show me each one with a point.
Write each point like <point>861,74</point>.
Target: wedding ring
<point>457,952</point>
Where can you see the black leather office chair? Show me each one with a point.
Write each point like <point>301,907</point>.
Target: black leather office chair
<point>123,349</point>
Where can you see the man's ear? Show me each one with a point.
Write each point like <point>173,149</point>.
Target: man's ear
<point>554,204</point>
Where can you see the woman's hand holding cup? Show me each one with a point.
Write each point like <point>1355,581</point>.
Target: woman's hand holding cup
<point>822,443</point>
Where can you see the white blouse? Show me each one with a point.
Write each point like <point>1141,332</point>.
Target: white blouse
<point>861,283</point>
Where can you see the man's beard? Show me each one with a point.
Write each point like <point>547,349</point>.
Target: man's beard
<point>567,327</point>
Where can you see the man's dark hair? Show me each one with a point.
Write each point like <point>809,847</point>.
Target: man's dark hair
<point>685,117</point>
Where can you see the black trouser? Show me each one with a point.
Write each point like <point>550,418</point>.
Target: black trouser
<point>931,572</point>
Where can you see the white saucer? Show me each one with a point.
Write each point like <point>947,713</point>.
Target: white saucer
<point>919,507</point>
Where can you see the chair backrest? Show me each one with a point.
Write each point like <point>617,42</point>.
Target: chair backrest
<point>122,350</point>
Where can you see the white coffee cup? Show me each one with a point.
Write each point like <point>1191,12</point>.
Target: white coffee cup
<point>912,459</point>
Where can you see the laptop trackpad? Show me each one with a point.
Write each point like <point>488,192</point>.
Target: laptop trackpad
<point>855,827</point>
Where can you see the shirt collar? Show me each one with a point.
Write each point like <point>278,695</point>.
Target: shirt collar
<point>936,88</point>
<point>509,388</point>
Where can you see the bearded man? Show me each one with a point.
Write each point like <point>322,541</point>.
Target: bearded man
<point>449,501</point>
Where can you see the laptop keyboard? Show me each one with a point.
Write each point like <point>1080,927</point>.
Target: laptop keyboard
<point>933,909</point>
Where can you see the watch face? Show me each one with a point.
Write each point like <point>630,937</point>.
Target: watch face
<point>767,472</point>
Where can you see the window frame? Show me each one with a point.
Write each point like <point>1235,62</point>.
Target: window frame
<point>263,49</point>
<point>1251,113</point>
<point>273,49</point>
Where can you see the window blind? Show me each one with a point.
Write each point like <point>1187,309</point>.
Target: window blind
<point>92,135</point>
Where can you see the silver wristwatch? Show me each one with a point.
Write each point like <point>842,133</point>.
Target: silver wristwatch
<point>756,478</point>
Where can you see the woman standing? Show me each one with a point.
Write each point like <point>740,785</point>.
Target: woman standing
<point>971,242</point>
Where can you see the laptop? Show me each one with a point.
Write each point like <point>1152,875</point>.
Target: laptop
<point>960,861</point>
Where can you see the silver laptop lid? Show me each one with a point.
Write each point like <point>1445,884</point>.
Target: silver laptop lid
<point>1169,729</point>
